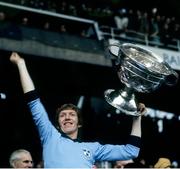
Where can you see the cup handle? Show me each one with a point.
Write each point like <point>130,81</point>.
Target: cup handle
<point>113,52</point>
<point>172,78</point>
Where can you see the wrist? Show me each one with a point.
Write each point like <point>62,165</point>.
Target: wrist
<point>20,62</point>
<point>137,117</point>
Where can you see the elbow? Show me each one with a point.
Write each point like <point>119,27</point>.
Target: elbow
<point>135,154</point>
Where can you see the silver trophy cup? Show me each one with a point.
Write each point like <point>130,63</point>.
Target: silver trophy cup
<point>140,70</point>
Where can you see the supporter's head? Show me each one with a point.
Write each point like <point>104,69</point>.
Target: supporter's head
<point>21,159</point>
<point>163,163</point>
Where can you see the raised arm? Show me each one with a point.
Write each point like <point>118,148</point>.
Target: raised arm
<point>26,81</point>
<point>37,109</point>
<point>136,126</point>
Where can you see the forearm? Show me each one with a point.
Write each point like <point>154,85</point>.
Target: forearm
<point>26,81</point>
<point>136,126</point>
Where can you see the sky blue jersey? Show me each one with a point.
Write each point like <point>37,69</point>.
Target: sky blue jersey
<point>63,152</point>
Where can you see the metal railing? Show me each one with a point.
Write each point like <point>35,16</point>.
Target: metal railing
<point>107,32</point>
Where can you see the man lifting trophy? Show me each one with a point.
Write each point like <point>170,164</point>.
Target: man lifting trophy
<point>139,70</point>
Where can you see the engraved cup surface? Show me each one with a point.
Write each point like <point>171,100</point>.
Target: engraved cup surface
<point>141,69</point>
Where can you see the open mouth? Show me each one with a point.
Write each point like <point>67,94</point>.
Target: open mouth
<point>68,124</point>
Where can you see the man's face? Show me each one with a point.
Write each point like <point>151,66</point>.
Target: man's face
<point>68,121</point>
<point>24,162</point>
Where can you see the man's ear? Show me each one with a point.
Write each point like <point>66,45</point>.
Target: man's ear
<point>14,164</point>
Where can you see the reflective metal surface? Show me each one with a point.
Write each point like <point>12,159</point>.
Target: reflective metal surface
<point>139,70</point>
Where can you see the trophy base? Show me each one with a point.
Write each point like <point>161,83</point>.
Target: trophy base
<point>123,101</point>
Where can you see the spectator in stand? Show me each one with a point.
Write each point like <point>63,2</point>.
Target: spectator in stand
<point>47,26</point>
<point>63,28</point>
<point>166,37</point>
<point>121,21</point>
<point>122,163</point>
<point>4,24</point>
<point>21,159</point>
<point>25,21</point>
<point>176,32</point>
<point>163,163</point>
<point>154,30</point>
<point>132,163</point>
<point>144,23</point>
<point>133,20</point>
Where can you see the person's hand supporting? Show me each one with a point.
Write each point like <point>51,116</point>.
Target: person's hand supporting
<point>142,109</point>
